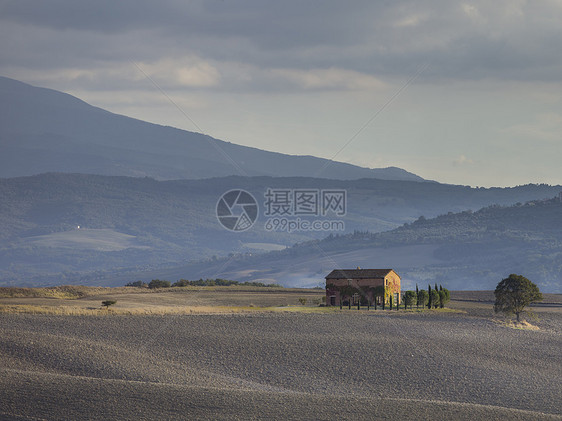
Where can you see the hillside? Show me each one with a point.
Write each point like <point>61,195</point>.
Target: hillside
<point>129,226</point>
<point>465,251</point>
<point>42,130</point>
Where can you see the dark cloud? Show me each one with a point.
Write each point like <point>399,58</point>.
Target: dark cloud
<point>500,39</point>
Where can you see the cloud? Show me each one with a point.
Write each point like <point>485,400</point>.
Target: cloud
<point>545,127</point>
<point>411,20</point>
<point>332,78</point>
<point>481,39</point>
<point>462,160</point>
<point>185,72</point>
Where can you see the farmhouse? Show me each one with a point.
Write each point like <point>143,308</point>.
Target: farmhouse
<point>362,285</point>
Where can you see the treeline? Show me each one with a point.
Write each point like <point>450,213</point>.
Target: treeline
<point>432,298</point>
<point>437,297</point>
<point>158,283</point>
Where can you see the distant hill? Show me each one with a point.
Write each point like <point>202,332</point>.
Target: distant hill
<point>142,227</point>
<point>43,130</point>
<point>463,251</point>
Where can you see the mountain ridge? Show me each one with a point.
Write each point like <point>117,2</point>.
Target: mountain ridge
<point>44,130</point>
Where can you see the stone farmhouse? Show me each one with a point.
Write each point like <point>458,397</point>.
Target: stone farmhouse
<point>358,285</point>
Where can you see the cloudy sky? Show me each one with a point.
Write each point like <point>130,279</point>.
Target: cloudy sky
<point>459,92</point>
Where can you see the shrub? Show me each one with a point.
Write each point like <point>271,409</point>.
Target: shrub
<point>108,303</point>
<point>444,297</point>
<point>138,284</point>
<point>423,297</point>
<point>410,298</point>
<point>181,283</point>
<point>435,298</point>
<point>157,283</point>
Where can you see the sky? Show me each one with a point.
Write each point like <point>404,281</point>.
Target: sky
<point>459,92</point>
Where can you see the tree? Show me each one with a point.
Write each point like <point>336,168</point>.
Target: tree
<point>157,283</point>
<point>429,303</point>
<point>423,297</point>
<point>108,303</point>
<point>514,293</point>
<point>444,296</point>
<point>379,291</point>
<point>138,284</point>
<point>181,283</point>
<point>346,291</point>
<point>417,296</point>
<point>302,301</point>
<point>434,298</point>
<point>367,297</point>
<point>410,298</point>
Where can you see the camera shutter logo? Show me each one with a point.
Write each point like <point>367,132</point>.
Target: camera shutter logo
<point>237,210</point>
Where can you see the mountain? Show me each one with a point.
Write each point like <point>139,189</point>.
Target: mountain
<point>140,227</point>
<point>463,251</point>
<point>42,130</point>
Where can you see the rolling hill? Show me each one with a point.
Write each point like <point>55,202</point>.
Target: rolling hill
<point>43,130</point>
<point>464,251</point>
<point>140,227</point>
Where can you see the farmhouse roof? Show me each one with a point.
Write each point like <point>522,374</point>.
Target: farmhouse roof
<point>358,273</point>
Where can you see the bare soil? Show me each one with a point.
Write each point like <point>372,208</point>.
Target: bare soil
<point>265,365</point>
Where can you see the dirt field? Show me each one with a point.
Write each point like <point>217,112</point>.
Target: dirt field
<point>276,365</point>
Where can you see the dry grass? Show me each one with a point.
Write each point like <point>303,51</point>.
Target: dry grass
<point>72,292</point>
<point>153,310</point>
<point>66,310</point>
<point>83,301</point>
<point>115,311</point>
<point>62,292</point>
<point>524,325</point>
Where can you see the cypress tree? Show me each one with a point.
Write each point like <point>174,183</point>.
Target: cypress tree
<point>417,296</point>
<point>429,293</point>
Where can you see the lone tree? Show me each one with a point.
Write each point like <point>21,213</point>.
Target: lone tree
<point>514,293</point>
<point>108,303</point>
